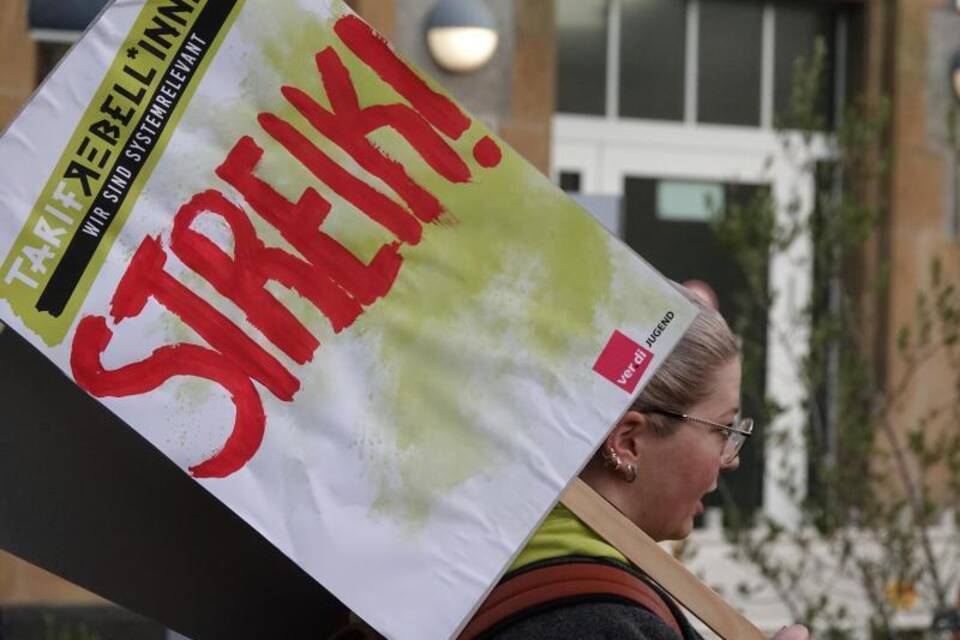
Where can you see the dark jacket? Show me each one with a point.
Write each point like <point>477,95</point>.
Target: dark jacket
<point>595,618</point>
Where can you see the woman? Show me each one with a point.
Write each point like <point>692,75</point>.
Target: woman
<point>656,465</point>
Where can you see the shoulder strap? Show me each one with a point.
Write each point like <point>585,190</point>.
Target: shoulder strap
<point>565,581</point>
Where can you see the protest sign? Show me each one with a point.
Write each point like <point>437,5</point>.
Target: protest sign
<point>302,272</point>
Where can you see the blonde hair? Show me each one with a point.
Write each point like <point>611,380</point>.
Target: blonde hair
<point>684,377</point>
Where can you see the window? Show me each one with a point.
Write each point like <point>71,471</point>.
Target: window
<point>652,59</point>
<point>48,55</point>
<point>729,62</point>
<point>57,15</point>
<point>582,56</point>
<point>798,27</point>
<point>55,25</point>
<point>570,181</point>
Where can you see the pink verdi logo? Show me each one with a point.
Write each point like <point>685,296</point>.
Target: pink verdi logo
<point>623,362</point>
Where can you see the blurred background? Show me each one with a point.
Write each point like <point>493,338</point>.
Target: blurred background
<point>797,163</point>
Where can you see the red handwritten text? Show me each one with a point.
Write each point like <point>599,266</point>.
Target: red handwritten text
<point>323,271</point>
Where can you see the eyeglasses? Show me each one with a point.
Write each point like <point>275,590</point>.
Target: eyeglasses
<point>735,433</point>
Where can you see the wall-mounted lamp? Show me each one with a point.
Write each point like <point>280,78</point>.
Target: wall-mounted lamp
<point>462,35</point>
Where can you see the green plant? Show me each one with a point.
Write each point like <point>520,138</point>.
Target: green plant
<point>882,472</point>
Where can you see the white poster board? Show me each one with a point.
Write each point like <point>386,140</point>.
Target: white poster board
<point>309,278</point>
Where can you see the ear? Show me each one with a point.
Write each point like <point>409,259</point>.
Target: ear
<point>627,437</point>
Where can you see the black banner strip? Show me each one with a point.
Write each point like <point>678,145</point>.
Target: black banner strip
<point>125,170</point>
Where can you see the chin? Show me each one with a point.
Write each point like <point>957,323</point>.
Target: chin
<point>682,531</point>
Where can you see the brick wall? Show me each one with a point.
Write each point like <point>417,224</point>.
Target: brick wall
<point>914,41</point>
<point>22,583</point>
<point>381,14</point>
<point>18,59</point>
<point>527,126</point>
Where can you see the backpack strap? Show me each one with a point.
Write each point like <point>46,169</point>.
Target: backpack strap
<point>565,582</point>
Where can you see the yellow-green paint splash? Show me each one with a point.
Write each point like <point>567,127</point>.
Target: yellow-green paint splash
<point>437,322</point>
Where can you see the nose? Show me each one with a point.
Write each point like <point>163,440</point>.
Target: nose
<point>730,466</point>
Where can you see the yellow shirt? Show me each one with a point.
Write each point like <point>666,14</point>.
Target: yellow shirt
<point>563,534</point>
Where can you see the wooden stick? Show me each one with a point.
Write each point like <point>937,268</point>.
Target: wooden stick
<point>615,528</point>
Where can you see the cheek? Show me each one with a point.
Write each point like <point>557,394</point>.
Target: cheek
<point>674,477</point>
<point>702,468</point>
<point>677,471</point>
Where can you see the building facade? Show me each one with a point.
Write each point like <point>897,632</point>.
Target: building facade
<point>646,110</point>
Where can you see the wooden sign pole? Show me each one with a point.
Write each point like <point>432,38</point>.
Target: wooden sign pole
<point>703,602</point>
